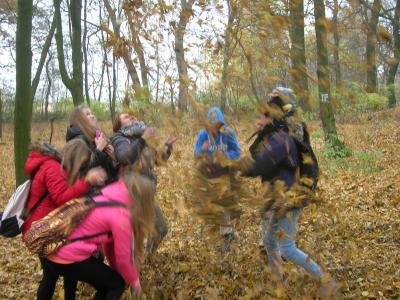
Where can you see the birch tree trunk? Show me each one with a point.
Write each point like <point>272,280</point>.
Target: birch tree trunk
<point>184,16</point>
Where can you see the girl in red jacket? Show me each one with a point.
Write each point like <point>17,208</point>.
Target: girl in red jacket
<point>58,183</point>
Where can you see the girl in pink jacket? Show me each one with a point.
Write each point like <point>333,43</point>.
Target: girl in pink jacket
<point>119,231</point>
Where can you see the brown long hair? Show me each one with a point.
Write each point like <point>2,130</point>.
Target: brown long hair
<point>76,157</point>
<point>78,118</point>
<point>117,122</point>
<point>141,191</point>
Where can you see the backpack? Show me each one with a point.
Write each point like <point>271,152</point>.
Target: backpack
<point>308,163</point>
<point>50,233</point>
<point>15,213</point>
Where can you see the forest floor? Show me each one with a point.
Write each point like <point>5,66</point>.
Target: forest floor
<point>353,232</point>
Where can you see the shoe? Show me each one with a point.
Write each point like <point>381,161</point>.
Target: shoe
<point>229,238</point>
<point>328,289</point>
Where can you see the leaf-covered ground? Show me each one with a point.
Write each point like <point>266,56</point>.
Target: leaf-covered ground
<point>353,232</point>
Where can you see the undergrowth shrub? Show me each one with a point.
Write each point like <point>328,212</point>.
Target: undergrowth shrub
<point>355,99</point>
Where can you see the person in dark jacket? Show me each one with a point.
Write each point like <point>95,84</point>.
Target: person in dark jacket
<point>131,148</point>
<point>276,160</point>
<point>83,125</point>
<point>59,182</point>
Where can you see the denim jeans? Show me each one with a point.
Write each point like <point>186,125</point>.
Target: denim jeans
<point>279,239</point>
<point>226,228</point>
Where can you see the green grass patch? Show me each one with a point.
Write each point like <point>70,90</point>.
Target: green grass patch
<point>360,162</point>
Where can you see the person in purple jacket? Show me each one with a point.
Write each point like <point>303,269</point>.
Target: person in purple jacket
<point>276,159</point>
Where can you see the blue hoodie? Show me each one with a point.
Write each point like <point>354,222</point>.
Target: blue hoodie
<point>225,141</point>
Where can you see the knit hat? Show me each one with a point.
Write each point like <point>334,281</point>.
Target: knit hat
<point>286,94</point>
<point>283,99</point>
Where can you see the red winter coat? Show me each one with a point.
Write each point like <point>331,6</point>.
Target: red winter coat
<point>50,176</point>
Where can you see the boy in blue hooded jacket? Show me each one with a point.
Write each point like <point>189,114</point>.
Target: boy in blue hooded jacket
<point>218,141</point>
<point>217,138</point>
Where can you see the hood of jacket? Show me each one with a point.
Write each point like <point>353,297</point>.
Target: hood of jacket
<point>73,132</point>
<point>215,115</point>
<point>36,159</point>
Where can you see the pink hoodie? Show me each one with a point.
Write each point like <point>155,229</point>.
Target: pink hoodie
<point>118,246</point>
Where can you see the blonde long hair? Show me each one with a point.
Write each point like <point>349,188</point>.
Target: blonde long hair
<point>76,157</point>
<point>141,190</point>
<point>79,119</point>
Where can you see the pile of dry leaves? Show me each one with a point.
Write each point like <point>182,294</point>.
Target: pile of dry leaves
<point>353,231</point>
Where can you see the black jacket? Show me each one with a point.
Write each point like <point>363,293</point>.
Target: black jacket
<point>100,158</point>
<point>278,158</point>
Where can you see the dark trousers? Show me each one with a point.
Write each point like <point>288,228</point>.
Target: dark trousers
<point>108,283</point>
<point>161,230</point>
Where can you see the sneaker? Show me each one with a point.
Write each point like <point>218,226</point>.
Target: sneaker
<point>229,238</point>
<point>328,289</point>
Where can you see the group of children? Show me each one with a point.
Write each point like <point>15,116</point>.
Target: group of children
<point>121,169</point>
<point>115,170</point>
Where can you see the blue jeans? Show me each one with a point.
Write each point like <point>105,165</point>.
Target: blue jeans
<point>279,240</point>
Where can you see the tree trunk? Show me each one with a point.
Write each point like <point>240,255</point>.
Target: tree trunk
<point>114,94</point>
<point>1,115</point>
<point>45,50</point>
<point>76,45</point>
<point>85,46</point>
<point>23,92</point>
<point>171,93</point>
<point>46,105</point>
<point>372,25</point>
<point>396,53</point>
<point>227,56</point>
<point>252,77</point>
<point>298,53</point>
<point>138,47</point>
<point>104,60</point>
<point>109,82</point>
<point>139,92</point>
<point>184,16</point>
<point>336,38</point>
<point>158,74</point>
<point>74,84</point>
<point>326,111</point>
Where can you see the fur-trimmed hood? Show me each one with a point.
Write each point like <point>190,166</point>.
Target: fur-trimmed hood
<point>39,154</point>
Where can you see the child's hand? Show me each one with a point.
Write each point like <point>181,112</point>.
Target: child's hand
<point>100,141</point>
<point>149,133</point>
<point>243,164</point>
<point>96,176</point>
<point>171,140</point>
<point>109,149</point>
<point>137,287</point>
<point>205,146</point>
